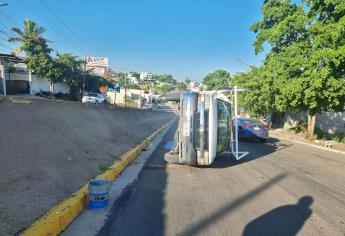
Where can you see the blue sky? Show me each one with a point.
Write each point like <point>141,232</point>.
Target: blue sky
<point>186,38</point>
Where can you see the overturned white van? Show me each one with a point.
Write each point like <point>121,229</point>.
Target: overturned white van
<point>206,128</point>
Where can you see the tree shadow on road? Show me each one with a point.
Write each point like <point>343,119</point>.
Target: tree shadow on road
<point>285,220</point>
<point>256,150</point>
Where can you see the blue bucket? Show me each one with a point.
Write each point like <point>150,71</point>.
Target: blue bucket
<point>98,193</point>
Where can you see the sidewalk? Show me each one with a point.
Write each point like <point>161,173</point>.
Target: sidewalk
<point>283,134</point>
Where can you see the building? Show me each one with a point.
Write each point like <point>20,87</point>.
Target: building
<point>146,76</point>
<point>132,80</point>
<point>97,65</point>
<point>129,97</point>
<point>19,81</point>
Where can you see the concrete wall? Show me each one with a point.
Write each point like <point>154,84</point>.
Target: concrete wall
<point>37,84</point>
<point>136,96</point>
<point>330,122</point>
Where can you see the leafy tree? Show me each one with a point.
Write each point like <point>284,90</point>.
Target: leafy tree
<point>166,78</point>
<point>94,82</point>
<point>120,78</point>
<point>217,79</point>
<point>181,85</point>
<point>306,61</point>
<point>71,67</point>
<point>37,58</point>
<point>259,95</point>
<point>135,74</point>
<point>163,89</point>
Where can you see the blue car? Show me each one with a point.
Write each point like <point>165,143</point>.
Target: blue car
<point>252,128</point>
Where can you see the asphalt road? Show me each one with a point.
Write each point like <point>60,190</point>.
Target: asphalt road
<point>279,189</point>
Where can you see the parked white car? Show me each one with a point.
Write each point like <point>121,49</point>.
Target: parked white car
<point>94,98</point>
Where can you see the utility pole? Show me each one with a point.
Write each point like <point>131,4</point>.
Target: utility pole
<point>3,76</point>
<point>3,66</point>
<point>125,87</point>
<point>115,93</point>
<point>84,77</point>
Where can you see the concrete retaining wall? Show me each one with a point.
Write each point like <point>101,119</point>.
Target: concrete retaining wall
<point>330,122</point>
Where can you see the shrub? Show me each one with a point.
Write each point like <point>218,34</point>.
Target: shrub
<point>339,137</point>
<point>104,166</point>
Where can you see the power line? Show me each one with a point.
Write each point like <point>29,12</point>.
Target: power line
<point>3,39</point>
<point>14,21</point>
<point>62,22</point>
<point>242,62</point>
<point>6,33</point>
<point>6,30</point>
<point>55,28</point>
<point>6,46</point>
<point>45,19</point>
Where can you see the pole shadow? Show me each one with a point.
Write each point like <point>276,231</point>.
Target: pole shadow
<point>285,220</point>
<point>222,212</point>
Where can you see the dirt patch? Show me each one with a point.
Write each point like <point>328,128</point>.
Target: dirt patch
<point>49,149</point>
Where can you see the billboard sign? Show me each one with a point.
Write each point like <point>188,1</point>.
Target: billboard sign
<point>96,61</point>
<point>97,65</point>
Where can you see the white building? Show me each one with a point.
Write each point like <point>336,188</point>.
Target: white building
<point>145,76</point>
<point>132,80</point>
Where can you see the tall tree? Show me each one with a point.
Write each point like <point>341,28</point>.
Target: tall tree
<point>307,54</point>
<point>217,79</point>
<point>37,52</point>
<point>259,95</point>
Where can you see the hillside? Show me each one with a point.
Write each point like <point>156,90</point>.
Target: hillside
<point>48,149</point>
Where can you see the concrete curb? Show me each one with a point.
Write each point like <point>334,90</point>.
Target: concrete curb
<point>91,222</point>
<point>308,144</point>
<point>59,217</point>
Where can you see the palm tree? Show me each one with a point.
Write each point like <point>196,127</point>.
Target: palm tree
<point>37,52</point>
<point>30,36</point>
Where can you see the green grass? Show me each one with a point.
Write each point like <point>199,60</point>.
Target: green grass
<point>104,166</point>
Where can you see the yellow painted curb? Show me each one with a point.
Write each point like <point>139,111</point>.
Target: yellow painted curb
<point>58,218</point>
